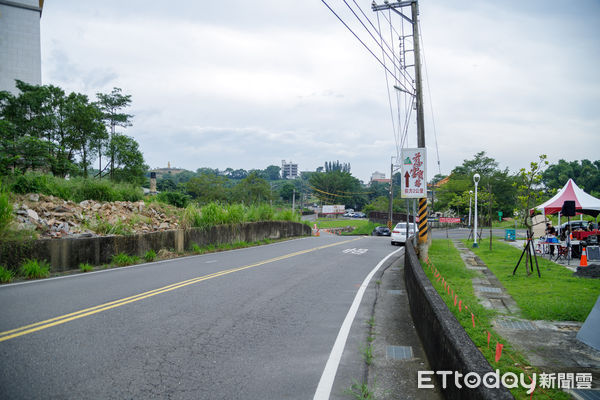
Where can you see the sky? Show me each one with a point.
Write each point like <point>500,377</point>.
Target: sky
<point>247,84</point>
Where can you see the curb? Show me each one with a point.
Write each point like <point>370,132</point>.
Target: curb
<point>447,345</point>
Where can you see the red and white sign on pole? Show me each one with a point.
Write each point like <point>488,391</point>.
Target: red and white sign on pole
<point>414,173</point>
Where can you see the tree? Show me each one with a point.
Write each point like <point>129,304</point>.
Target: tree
<point>585,173</point>
<point>272,172</point>
<point>207,187</point>
<point>85,128</point>
<point>337,187</point>
<point>111,106</point>
<point>336,166</point>
<point>252,190</point>
<point>286,192</point>
<point>128,160</point>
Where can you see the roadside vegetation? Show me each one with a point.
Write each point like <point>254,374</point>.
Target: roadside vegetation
<point>447,260</point>
<point>556,296</point>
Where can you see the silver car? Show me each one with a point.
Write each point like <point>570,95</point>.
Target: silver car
<point>399,232</point>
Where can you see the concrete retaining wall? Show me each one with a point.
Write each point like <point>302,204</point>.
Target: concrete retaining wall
<point>446,343</point>
<point>68,253</point>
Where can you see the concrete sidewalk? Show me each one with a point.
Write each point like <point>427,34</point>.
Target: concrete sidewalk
<point>397,350</point>
<point>549,345</point>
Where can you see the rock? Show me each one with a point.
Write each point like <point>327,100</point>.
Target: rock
<point>33,215</point>
<point>61,209</point>
<point>34,197</point>
<point>21,212</point>
<point>84,203</point>
<point>163,225</point>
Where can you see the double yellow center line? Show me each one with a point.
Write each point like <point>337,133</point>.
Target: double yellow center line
<point>38,326</point>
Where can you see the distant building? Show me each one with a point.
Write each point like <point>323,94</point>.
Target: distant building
<point>379,177</point>
<point>20,50</point>
<point>160,172</point>
<point>289,170</point>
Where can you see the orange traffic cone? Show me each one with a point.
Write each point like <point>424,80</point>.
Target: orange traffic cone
<point>583,260</point>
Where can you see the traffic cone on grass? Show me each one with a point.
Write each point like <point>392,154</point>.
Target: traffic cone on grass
<point>583,259</point>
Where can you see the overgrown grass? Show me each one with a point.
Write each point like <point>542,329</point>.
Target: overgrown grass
<point>75,189</point>
<point>360,391</point>
<point>6,210</point>
<point>556,296</point>
<point>150,256</point>
<point>6,275</point>
<point>122,260</point>
<point>34,269</point>
<point>214,214</point>
<point>85,267</point>
<point>447,260</point>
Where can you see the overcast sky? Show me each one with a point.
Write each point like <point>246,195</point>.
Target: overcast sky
<point>245,84</point>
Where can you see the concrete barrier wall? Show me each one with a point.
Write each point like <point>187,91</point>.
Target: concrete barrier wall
<point>68,253</point>
<point>446,343</point>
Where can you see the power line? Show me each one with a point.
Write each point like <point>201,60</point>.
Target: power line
<point>358,38</point>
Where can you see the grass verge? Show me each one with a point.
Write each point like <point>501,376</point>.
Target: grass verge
<point>556,296</point>
<point>447,261</point>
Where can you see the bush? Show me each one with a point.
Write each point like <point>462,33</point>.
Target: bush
<point>6,210</point>
<point>176,199</point>
<point>261,212</point>
<point>150,256</point>
<point>122,260</point>
<point>190,217</point>
<point>76,189</point>
<point>85,267</point>
<point>6,275</point>
<point>287,215</point>
<point>34,269</point>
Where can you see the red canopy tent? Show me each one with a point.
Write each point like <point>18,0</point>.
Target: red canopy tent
<point>584,203</point>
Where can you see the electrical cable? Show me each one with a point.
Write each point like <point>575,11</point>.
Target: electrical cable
<point>430,99</point>
<point>356,36</point>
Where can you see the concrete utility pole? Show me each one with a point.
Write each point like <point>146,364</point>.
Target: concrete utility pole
<point>422,214</point>
<point>390,223</point>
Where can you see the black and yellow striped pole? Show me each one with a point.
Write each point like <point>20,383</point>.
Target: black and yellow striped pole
<point>423,226</point>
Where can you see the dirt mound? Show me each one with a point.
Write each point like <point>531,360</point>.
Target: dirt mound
<point>591,271</point>
<point>54,217</point>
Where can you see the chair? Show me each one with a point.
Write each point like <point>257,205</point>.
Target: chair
<point>562,252</point>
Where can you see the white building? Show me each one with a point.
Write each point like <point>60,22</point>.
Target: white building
<point>20,51</point>
<point>289,170</point>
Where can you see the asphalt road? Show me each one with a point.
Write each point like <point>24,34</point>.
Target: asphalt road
<point>258,323</point>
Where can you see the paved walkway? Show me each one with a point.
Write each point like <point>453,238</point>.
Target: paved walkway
<point>549,345</point>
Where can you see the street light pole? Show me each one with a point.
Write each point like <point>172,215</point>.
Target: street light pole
<point>470,198</point>
<point>476,178</point>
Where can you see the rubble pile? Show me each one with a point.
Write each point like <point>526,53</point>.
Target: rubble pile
<point>53,217</point>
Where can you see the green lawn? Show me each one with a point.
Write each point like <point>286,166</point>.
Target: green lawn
<point>556,296</point>
<point>446,259</point>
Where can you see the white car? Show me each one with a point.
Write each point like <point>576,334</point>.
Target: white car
<point>399,232</point>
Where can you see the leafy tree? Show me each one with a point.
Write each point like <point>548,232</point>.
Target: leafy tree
<point>332,166</point>
<point>111,106</point>
<point>128,160</point>
<point>85,128</point>
<point>272,173</point>
<point>286,192</point>
<point>207,187</point>
<point>337,187</point>
<point>252,190</point>
<point>585,173</point>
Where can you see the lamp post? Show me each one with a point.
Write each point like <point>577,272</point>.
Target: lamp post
<point>470,198</point>
<point>476,178</point>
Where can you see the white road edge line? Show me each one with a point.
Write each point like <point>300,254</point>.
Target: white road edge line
<point>326,382</point>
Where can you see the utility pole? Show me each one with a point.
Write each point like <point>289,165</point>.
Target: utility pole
<point>391,217</point>
<point>413,20</point>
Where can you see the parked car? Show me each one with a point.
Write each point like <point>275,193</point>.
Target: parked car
<point>399,232</point>
<point>574,225</point>
<point>349,214</point>
<point>360,215</point>
<point>381,231</point>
